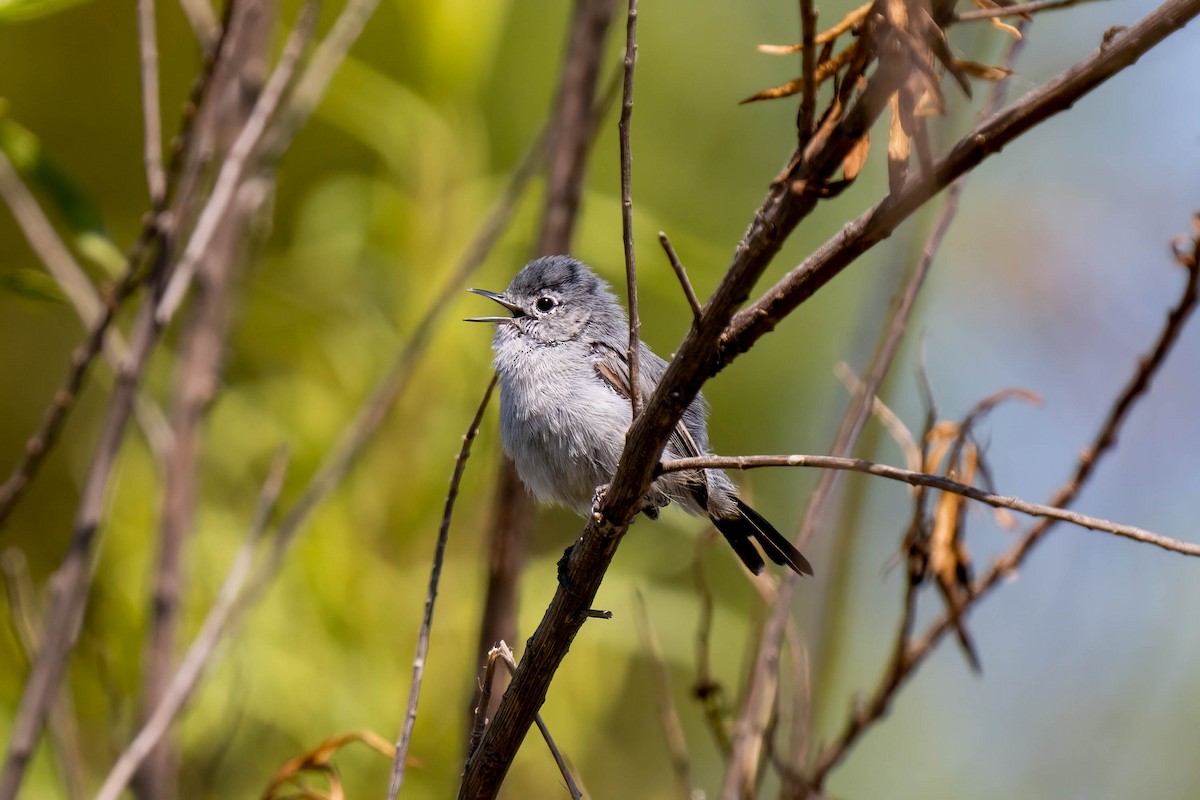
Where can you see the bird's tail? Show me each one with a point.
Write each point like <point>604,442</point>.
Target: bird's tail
<point>750,525</point>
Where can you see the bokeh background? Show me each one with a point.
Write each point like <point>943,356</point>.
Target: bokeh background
<point>1055,278</point>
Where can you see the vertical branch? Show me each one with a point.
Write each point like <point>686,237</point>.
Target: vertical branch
<point>200,348</point>
<point>635,322</point>
<point>156,179</point>
<point>435,574</point>
<point>808,70</point>
<point>573,123</point>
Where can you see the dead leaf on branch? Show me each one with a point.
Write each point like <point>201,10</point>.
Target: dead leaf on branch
<point>908,35</point>
<point>318,760</point>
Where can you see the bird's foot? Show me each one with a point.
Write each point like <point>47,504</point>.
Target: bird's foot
<point>597,499</point>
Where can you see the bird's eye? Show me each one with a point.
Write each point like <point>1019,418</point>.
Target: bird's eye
<point>546,304</point>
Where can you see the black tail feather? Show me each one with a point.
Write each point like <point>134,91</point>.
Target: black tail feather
<point>773,543</point>
<point>737,534</point>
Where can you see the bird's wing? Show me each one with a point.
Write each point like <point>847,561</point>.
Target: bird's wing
<point>612,366</point>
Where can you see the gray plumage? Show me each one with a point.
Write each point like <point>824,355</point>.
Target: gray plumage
<point>564,406</point>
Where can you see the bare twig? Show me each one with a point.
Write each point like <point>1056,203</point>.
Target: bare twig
<point>227,609</point>
<point>435,574</point>
<point>808,70</point>
<point>233,167</point>
<point>681,273</point>
<point>905,663</point>
<point>635,322</point>
<point>503,654</point>
<point>668,716</point>
<point>933,482</point>
<point>1016,9</point>
<point>156,179</point>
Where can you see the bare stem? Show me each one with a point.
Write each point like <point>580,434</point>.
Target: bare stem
<point>435,574</point>
<point>635,322</point>
<point>681,273</point>
<point>156,179</point>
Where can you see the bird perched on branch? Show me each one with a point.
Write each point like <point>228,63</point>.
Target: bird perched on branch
<point>565,407</point>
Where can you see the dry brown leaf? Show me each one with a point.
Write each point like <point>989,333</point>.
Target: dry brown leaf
<point>852,164</point>
<point>318,758</point>
<point>852,21</point>
<point>825,70</point>
<point>984,72</point>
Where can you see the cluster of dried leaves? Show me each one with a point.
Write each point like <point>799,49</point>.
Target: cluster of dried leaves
<point>906,35</point>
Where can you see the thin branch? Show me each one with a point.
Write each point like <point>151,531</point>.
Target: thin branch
<point>635,322</point>
<point>435,574</point>
<point>156,178</point>
<point>1015,10</point>
<point>808,69</point>
<point>233,167</point>
<point>226,609</point>
<point>914,655</point>
<point>668,716</point>
<point>503,654</point>
<point>485,697</point>
<point>681,273</point>
<point>933,482</point>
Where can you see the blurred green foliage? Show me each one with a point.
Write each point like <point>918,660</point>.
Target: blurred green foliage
<point>376,201</point>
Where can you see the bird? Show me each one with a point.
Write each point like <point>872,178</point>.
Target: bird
<point>561,358</point>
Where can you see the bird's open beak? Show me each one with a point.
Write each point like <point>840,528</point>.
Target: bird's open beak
<point>516,310</point>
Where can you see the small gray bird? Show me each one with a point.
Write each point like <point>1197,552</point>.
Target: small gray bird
<point>564,406</point>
